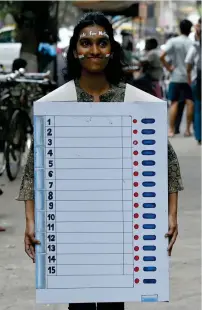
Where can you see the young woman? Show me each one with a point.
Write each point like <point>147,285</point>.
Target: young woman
<point>94,64</point>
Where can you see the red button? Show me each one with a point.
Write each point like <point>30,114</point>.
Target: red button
<point>134,121</point>
<point>135,131</point>
<point>136,215</point>
<point>136,269</point>
<point>136,248</point>
<point>137,281</point>
<point>135,142</point>
<point>135,184</point>
<point>136,237</point>
<point>135,153</point>
<point>136,258</point>
<point>135,174</point>
<point>136,205</point>
<point>136,226</point>
<point>135,163</point>
<point>135,194</point>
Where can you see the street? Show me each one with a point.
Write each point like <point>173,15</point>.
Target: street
<point>17,286</point>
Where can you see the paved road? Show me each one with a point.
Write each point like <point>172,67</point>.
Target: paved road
<point>17,272</point>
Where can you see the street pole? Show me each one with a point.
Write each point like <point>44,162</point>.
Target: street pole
<point>171,15</point>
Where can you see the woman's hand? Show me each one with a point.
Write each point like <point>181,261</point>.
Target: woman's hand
<point>30,240</point>
<point>172,221</point>
<point>172,232</point>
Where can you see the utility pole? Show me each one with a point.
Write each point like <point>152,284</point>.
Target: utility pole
<point>171,14</point>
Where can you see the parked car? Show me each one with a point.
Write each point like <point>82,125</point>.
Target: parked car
<point>9,48</point>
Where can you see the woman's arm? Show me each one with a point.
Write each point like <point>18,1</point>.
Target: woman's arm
<point>27,184</point>
<point>26,194</point>
<point>172,220</point>
<point>174,186</point>
<point>29,239</point>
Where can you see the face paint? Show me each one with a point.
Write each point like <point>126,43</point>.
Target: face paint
<point>81,56</point>
<point>91,33</point>
<point>83,35</point>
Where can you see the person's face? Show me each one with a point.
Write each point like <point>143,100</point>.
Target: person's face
<point>93,49</point>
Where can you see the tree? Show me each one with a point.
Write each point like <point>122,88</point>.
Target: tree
<point>32,18</point>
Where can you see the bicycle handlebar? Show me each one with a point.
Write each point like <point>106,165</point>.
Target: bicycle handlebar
<point>21,76</point>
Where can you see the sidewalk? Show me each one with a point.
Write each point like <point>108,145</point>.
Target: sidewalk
<point>17,290</point>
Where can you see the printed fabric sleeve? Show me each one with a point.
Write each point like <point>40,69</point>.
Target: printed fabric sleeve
<point>174,175</point>
<point>27,184</point>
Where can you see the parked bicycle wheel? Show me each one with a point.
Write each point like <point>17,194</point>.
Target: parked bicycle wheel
<point>3,121</point>
<point>15,145</point>
<point>2,160</point>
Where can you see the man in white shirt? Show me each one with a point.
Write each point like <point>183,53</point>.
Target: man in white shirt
<point>179,89</point>
<point>193,63</point>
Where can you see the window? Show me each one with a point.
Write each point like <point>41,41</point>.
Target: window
<point>7,36</point>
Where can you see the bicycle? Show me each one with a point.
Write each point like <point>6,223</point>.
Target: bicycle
<point>15,121</point>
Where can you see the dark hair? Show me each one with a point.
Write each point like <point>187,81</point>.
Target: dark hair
<point>19,63</point>
<point>185,26</point>
<point>151,44</point>
<point>199,21</point>
<point>113,71</point>
<point>46,37</point>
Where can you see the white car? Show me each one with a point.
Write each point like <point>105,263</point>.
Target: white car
<point>9,48</point>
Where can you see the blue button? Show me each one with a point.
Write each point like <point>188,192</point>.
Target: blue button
<point>151,268</point>
<point>149,194</point>
<point>149,216</point>
<point>148,162</point>
<point>148,184</point>
<point>149,258</point>
<point>149,226</point>
<point>148,142</point>
<point>149,237</point>
<point>148,173</point>
<point>149,248</point>
<point>148,120</point>
<point>149,281</point>
<point>148,131</point>
<point>148,152</point>
<point>149,205</point>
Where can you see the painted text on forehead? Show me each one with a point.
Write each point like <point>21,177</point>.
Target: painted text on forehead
<point>94,33</point>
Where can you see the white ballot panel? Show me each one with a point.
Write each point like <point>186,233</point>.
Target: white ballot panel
<point>101,202</point>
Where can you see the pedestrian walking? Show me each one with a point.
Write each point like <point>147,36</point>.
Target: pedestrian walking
<point>179,89</point>
<point>193,61</point>
<point>95,74</point>
<point>154,67</point>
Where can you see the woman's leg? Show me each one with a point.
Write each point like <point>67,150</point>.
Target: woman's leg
<point>91,306</point>
<point>110,306</point>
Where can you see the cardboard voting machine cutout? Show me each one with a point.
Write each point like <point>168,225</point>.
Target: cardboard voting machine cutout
<point>101,206</point>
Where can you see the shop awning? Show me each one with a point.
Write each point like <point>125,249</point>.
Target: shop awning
<point>112,8</point>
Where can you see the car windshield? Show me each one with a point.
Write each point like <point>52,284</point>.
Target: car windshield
<point>7,36</point>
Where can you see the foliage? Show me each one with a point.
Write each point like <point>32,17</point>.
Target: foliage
<point>34,15</point>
